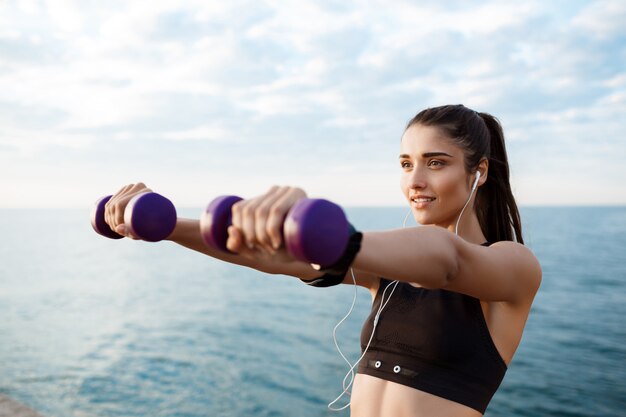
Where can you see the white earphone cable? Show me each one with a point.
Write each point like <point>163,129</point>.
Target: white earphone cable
<point>351,370</point>
<point>456,228</point>
<point>383,303</point>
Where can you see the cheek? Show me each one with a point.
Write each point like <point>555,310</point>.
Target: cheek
<point>404,184</point>
<point>459,193</point>
<point>450,188</point>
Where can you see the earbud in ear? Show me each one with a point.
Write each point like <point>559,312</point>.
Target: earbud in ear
<point>476,180</point>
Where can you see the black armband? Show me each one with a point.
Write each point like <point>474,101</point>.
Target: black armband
<point>335,273</point>
<point>326,280</point>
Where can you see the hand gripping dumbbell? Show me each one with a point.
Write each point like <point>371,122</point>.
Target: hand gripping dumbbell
<point>315,231</point>
<point>149,216</point>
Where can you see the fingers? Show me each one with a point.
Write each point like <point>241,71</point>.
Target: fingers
<point>277,214</point>
<point>236,244</point>
<point>248,217</point>
<point>266,210</point>
<point>233,243</point>
<point>111,208</point>
<point>260,220</point>
<point>262,224</point>
<point>115,207</point>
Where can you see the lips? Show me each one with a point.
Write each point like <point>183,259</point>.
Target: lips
<point>422,199</point>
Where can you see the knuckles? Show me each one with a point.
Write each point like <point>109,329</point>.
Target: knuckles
<point>255,207</point>
<point>258,210</point>
<point>261,212</point>
<point>274,211</point>
<point>236,208</point>
<point>119,200</point>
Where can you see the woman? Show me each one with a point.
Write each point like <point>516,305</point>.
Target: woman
<point>451,298</point>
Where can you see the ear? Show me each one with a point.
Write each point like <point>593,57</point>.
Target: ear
<point>483,168</point>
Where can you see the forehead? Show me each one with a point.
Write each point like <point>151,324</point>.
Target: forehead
<point>419,139</point>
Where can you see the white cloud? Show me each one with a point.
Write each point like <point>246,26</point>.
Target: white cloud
<point>304,77</point>
<point>300,24</point>
<point>30,142</point>
<point>28,6</point>
<point>602,18</point>
<point>66,15</point>
<point>310,74</point>
<point>207,132</point>
<point>354,121</point>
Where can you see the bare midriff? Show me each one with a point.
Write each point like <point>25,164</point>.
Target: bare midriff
<point>375,397</point>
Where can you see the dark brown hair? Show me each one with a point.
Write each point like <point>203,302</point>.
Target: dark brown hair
<point>480,135</point>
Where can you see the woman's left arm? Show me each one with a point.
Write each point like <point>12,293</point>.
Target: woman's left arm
<point>434,257</point>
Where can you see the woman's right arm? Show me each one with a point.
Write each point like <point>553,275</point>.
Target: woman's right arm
<point>187,234</point>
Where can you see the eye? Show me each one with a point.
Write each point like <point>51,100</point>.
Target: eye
<point>405,164</point>
<point>436,163</point>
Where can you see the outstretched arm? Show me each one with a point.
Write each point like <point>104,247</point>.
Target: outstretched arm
<point>187,234</point>
<point>433,257</point>
<point>262,256</point>
<point>429,256</point>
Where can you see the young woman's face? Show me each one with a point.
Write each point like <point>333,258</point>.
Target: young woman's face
<point>433,180</point>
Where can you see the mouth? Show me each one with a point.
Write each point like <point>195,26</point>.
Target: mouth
<point>421,201</point>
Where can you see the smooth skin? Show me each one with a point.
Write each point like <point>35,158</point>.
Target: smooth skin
<point>504,276</point>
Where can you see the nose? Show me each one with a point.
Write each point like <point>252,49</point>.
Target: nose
<point>417,180</point>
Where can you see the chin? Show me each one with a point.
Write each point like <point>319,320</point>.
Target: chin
<point>420,217</point>
<point>425,218</point>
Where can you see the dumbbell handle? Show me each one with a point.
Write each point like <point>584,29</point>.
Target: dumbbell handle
<point>149,216</point>
<point>315,230</point>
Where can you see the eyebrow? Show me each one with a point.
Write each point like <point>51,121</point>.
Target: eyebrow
<point>426,155</point>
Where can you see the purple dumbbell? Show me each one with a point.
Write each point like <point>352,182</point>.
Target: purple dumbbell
<point>315,230</point>
<point>216,219</point>
<point>149,216</point>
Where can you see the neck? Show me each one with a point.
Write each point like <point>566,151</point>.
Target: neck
<point>469,227</point>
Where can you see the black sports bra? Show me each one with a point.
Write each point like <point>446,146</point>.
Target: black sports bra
<point>436,341</point>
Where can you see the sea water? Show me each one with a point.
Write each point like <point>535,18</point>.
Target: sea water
<point>95,327</point>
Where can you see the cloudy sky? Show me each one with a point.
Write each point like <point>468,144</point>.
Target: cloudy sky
<point>205,97</point>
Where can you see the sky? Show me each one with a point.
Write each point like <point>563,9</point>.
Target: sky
<point>201,98</point>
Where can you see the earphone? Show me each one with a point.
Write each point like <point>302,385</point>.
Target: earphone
<point>350,372</point>
<point>383,303</point>
<point>456,228</point>
<point>476,181</point>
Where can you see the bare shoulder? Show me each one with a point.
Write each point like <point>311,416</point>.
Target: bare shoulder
<point>505,271</point>
<point>521,261</point>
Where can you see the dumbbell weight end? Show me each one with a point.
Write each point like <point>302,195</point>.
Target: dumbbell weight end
<point>216,219</point>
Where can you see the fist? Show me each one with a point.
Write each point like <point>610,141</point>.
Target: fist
<point>257,224</point>
<point>114,208</point>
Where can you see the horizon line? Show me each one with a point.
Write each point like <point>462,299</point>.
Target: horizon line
<point>531,205</point>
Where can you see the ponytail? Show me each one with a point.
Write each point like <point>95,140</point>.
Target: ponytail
<point>497,210</point>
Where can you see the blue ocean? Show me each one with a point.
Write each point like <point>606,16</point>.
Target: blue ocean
<point>95,327</point>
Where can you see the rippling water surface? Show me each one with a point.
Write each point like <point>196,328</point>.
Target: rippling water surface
<point>96,327</point>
